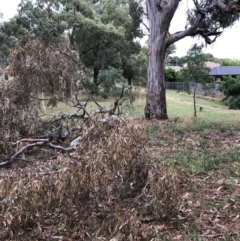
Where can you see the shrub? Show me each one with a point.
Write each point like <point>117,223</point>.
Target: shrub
<point>234,102</point>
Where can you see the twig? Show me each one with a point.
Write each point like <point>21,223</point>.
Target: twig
<point>91,95</point>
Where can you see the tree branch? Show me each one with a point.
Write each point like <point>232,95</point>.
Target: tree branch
<point>188,32</point>
<point>227,7</point>
<point>220,4</point>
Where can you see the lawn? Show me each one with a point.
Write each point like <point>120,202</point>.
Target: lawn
<point>179,104</point>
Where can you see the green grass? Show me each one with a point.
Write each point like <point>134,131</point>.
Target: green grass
<point>178,105</point>
<point>207,153</point>
<point>214,102</point>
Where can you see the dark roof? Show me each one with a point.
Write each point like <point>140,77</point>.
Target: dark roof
<point>225,70</point>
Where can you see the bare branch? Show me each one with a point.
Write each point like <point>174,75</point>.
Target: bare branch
<point>202,12</point>
<point>206,35</point>
<point>36,143</point>
<point>188,32</point>
<point>18,153</point>
<point>29,140</point>
<point>145,25</point>
<point>91,96</point>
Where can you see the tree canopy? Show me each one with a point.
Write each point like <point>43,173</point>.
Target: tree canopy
<point>104,33</point>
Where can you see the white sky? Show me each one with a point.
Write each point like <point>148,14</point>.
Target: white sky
<point>226,46</point>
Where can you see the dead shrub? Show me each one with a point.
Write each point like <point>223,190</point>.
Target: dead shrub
<point>17,119</point>
<point>108,190</point>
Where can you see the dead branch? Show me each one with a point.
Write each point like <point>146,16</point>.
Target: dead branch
<point>90,95</point>
<point>62,131</point>
<point>18,153</point>
<point>36,143</point>
<point>74,143</point>
<point>29,140</point>
<point>40,142</point>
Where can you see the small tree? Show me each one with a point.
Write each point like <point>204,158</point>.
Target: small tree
<point>196,72</point>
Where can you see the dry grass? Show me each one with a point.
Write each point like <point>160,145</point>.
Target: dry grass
<point>209,153</point>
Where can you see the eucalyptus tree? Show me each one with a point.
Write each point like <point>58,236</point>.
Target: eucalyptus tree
<point>207,19</point>
<point>125,16</point>
<point>196,71</point>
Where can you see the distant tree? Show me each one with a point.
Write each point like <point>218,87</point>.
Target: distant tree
<point>181,75</point>
<point>171,50</point>
<point>230,62</point>
<point>173,61</point>
<point>140,67</point>
<point>209,57</point>
<point>196,71</point>
<point>231,89</point>
<point>111,81</point>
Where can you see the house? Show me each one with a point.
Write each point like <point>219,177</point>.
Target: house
<point>218,72</point>
<point>211,65</point>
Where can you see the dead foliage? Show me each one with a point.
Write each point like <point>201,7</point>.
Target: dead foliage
<point>107,190</point>
<point>36,69</point>
<point>16,119</point>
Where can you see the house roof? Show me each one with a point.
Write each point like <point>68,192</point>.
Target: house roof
<point>225,70</point>
<point>176,68</point>
<point>211,65</point>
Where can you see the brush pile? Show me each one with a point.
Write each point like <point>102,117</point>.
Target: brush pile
<point>106,189</point>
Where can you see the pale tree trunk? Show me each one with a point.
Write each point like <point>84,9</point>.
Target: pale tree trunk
<point>160,14</point>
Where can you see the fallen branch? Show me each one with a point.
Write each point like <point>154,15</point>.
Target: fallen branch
<point>37,142</point>
<point>20,152</point>
<point>57,134</point>
<point>29,140</point>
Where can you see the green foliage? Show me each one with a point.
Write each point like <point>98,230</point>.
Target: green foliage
<point>170,74</point>
<point>234,102</point>
<point>111,81</point>
<point>170,50</point>
<point>231,88</point>
<point>230,62</point>
<point>209,57</point>
<point>181,75</point>
<point>135,68</point>
<point>196,71</point>
<point>102,32</point>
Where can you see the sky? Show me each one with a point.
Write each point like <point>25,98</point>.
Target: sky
<point>226,46</point>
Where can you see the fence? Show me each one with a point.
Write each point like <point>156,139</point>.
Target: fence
<point>207,89</point>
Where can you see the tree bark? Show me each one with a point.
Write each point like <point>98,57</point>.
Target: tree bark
<point>95,75</point>
<point>160,14</point>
